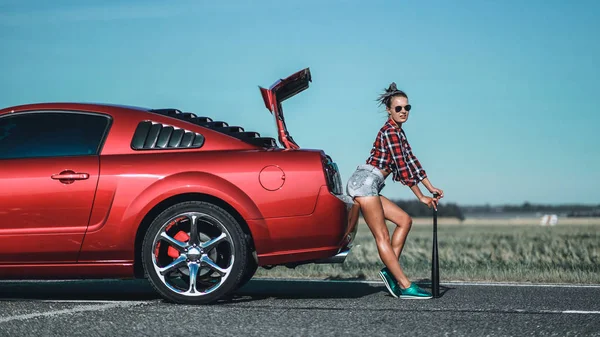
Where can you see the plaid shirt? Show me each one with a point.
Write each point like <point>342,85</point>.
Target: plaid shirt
<point>391,152</point>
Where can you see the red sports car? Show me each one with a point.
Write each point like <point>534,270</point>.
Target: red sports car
<point>193,204</point>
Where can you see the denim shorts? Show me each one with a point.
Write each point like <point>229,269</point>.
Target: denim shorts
<point>366,181</point>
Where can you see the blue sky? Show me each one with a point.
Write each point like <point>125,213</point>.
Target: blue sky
<point>503,92</point>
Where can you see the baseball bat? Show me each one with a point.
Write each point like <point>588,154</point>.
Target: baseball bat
<point>435,268</point>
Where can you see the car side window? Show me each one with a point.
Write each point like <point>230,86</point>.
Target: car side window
<point>51,134</point>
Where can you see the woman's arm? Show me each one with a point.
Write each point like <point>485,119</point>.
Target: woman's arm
<point>422,176</point>
<point>393,143</point>
<point>423,198</point>
<point>431,188</point>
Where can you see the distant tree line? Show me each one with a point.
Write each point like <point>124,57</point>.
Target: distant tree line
<point>415,208</point>
<point>569,209</point>
<point>577,214</point>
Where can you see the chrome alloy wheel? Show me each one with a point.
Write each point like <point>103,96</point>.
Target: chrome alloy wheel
<point>193,254</point>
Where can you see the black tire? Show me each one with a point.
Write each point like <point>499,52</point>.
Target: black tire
<point>251,268</point>
<point>213,218</point>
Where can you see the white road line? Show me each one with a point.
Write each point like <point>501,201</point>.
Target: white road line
<point>584,312</point>
<point>83,308</point>
<point>91,301</point>
<point>516,284</point>
<point>14,299</point>
<point>450,283</point>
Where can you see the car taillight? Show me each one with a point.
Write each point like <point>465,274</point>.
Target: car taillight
<point>332,176</point>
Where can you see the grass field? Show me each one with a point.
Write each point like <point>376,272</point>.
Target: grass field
<point>488,251</point>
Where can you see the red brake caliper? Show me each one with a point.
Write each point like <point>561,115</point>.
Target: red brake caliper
<point>181,236</point>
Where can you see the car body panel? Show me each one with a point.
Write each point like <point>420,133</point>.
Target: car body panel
<point>60,271</point>
<point>318,235</point>
<point>130,186</point>
<point>42,219</point>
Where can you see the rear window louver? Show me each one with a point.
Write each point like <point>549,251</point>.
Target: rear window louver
<point>250,137</point>
<point>153,136</point>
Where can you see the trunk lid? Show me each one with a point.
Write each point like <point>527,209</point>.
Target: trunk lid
<point>281,90</point>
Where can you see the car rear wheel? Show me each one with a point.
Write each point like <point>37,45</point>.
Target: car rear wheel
<point>251,268</point>
<point>194,253</point>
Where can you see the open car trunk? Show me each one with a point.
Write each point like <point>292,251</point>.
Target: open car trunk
<point>279,92</point>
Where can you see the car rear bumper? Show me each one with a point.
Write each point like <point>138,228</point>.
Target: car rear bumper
<point>325,236</point>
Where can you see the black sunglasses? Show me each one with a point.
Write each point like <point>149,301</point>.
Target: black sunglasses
<point>399,108</point>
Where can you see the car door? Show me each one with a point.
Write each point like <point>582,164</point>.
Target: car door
<point>49,170</point>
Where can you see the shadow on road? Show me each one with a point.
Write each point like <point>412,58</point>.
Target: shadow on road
<point>140,290</point>
<point>303,289</point>
<point>426,284</point>
<point>118,290</point>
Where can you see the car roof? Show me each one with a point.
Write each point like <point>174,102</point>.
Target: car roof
<point>251,137</point>
<point>97,107</point>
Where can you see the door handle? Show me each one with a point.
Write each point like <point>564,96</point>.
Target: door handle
<point>69,176</point>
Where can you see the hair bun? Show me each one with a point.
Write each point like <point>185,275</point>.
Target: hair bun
<point>392,87</point>
<point>390,92</point>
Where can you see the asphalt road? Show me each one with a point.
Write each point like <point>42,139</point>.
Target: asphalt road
<point>297,308</point>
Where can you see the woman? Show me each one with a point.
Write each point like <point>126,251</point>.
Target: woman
<point>391,153</point>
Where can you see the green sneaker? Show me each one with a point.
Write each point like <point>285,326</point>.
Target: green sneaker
<point>390,282</point>
<point>414,292</point>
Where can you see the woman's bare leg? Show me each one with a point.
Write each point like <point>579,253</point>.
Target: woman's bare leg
<point>403,223</point>
<point>372,211</point>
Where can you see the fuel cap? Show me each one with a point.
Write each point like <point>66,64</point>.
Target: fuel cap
<point>271,177</point>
